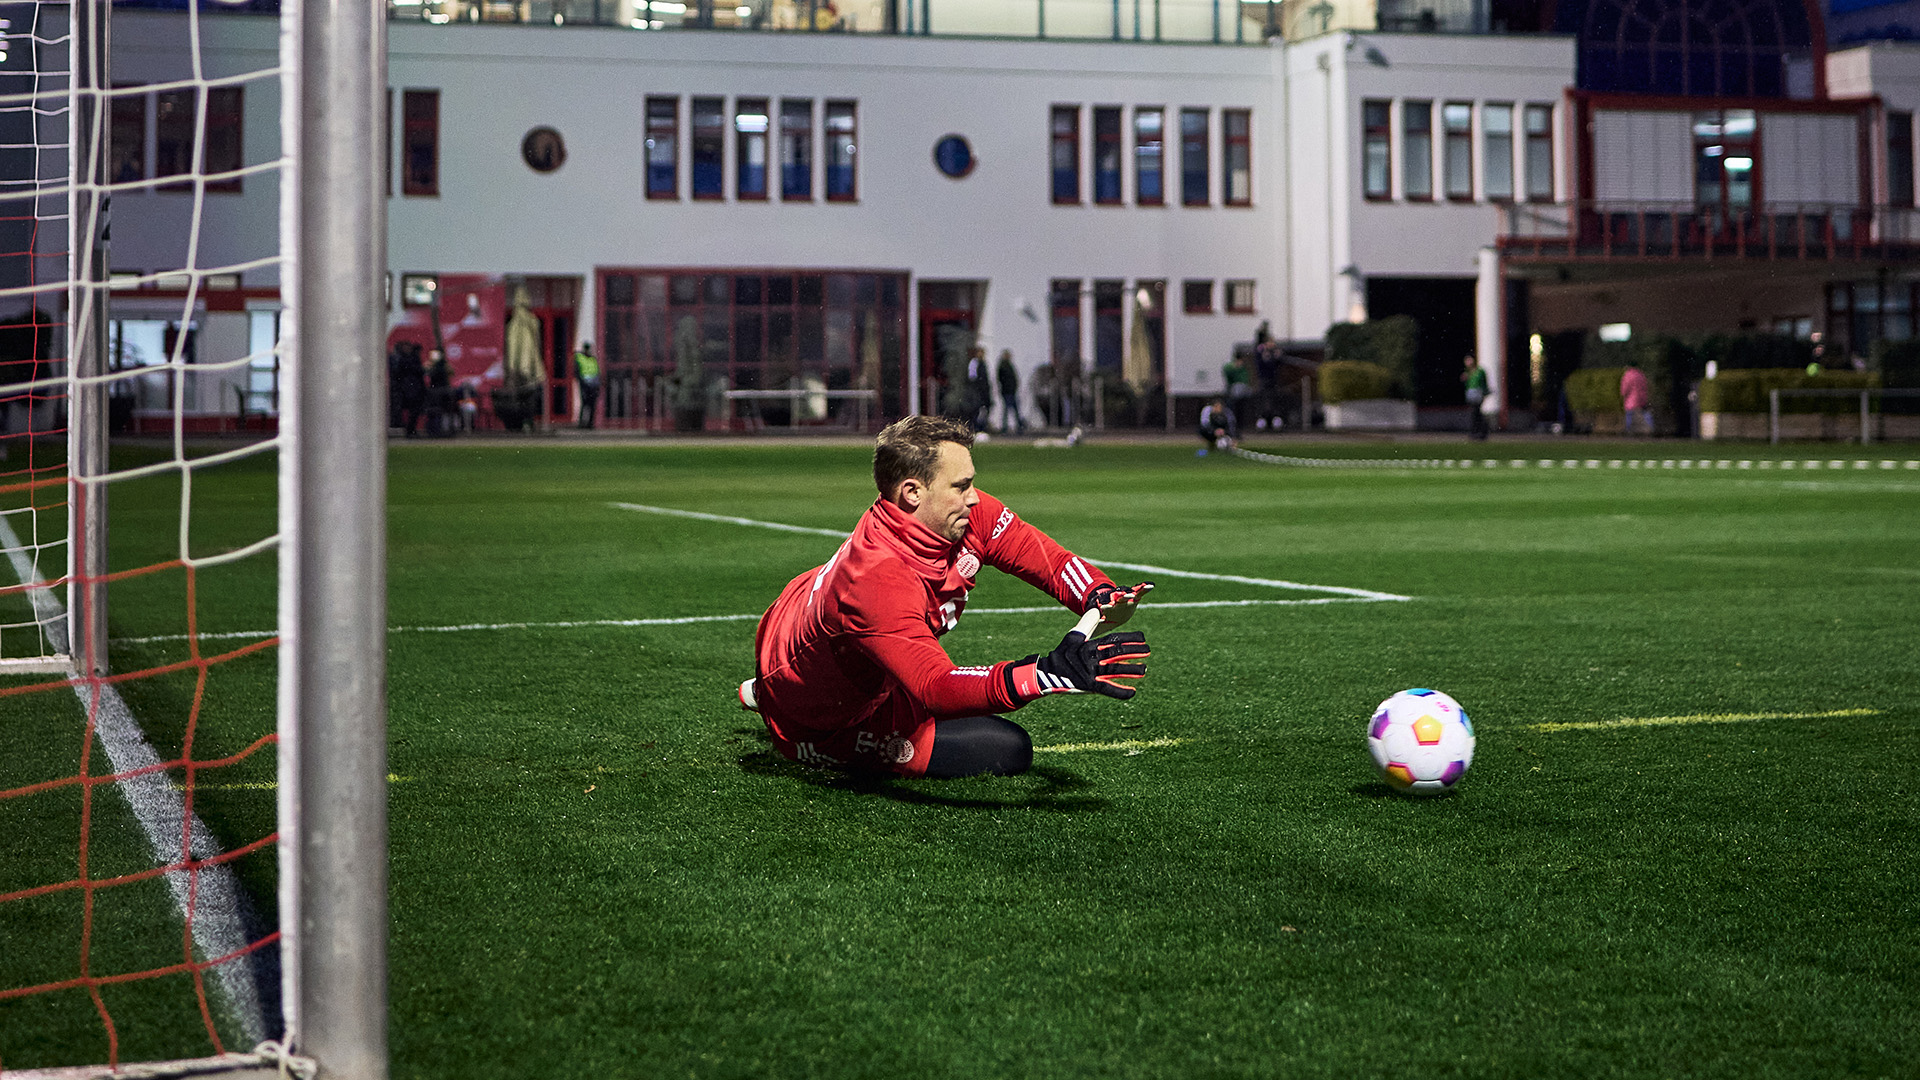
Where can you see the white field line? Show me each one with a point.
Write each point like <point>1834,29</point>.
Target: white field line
<point>1343,594</point>
<point>576,624</point>
<point>1268,583</point>
<point>218,928</point>
<point>1697,718</point>
<point>1130,746</point>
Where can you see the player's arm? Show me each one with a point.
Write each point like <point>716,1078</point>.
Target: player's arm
<point>1104,665</point>
<point>1013,546</point>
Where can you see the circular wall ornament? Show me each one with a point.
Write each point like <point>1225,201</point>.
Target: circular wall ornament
<point>953,156</point>
<point>543,150</point>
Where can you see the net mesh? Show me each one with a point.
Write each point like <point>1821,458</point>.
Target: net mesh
<point>159,936</point>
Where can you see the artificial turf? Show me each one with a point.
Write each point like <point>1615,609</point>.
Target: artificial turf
<point>599,867</point>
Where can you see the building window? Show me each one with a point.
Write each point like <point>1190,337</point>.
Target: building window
<point>842,138</point>
<point>796,148</point>
<point>1064,302</point>
<point>750,148</point>
<point>1109,324</point>
<point>1496,131</point>
<point>1196,297</point>
<point>127,153</point>
<point>1900,158</point>
<point>1236,157</point>
<point>1149,156</point>
<point>420,142</point>
<point>1539,119</point>
<point>1106,155</point>
<point>175,121</point>
<point>663,148</point>
<point>1417,131</point>
<point>707,146</point>
<point>1240,297</point>
<point>1456,118</point>
<point>1723,145</point>
<point>1065,154</point>
<point>1196,181</point>
<point>1377,154</point>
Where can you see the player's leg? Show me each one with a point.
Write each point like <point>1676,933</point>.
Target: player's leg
<point>979,746</point>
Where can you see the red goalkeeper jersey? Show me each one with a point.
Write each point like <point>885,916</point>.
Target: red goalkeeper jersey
<point>844,637</point>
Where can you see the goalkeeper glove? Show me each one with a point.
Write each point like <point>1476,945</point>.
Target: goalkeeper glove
<point>1081,666</point>
<point>1115,605</point>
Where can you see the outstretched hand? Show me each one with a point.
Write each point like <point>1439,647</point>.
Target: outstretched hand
<point>1105,665</point>
<point>1115,606</point>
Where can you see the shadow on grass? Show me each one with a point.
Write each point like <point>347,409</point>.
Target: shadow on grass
<point>1043,787</point>
<point>1374,790</point>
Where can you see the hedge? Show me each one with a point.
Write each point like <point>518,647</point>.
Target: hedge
<point>1391,343</point>
<point>1747,391</point>
<point>1595,390</point>
<point>1354,380</point>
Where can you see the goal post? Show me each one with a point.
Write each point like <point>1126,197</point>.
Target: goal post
<point>333,787</point>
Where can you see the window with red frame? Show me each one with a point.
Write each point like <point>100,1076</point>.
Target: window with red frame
<point>1196,158</point>
<point>1150,155</point>
<point>842,130</point>
<point>1064,153</point>
<point>1376,136</point>
<point>1240,297</point>
<point>1539,162</point>
<point>1236,156</point>
<point>1456,121</point>
<point>1107,155</point>
<point>420,142</point>
<point>663,148</point>
<point>175,120</point>
<point>1416,168</point>
<point>1196,297</point>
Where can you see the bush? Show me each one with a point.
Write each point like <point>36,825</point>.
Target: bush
<point>1354,380</point>
<point>1595,390</point>
<point>1747,391</point>
<point>1390,343</point>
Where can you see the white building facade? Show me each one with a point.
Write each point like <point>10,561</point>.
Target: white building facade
<point>835,212</point>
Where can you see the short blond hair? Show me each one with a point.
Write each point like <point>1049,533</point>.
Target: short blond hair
<point>910,449</point>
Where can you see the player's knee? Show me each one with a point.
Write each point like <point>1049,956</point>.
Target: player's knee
<point>979,746</point>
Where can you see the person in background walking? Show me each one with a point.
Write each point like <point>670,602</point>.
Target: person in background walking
<point>1634,397</point>
<point>1475,377</point>
<point>1009,379</point>
<point>979,389</point>
<point>586,367</point>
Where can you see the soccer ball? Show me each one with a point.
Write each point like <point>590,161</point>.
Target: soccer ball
<point>1421,740</point>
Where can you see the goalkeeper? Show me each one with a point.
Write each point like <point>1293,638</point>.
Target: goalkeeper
<point>851,673</point>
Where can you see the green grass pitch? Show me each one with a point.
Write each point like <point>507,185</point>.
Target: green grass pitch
<point>599,868</point>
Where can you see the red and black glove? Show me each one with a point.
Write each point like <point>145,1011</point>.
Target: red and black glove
<point>1104,665</point>
<point>1115,605</point>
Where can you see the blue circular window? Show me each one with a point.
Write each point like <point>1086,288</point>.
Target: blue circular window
<point>953,156</point>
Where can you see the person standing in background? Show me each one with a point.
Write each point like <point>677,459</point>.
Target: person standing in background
<point>1009,379</point>
<point>586,368</point>
<point>1475,377</point>
<point>1634,398</point>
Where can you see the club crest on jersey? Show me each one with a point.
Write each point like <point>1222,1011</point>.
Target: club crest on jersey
<point>968,563</point>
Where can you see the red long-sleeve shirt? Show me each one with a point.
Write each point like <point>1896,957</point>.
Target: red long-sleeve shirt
<point>844,635</point>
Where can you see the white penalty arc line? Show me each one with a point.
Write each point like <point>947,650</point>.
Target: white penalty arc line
<point>1267,583</point>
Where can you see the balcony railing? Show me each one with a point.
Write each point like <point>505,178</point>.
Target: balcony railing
<point>1616,229</point>
<point>1224,22</point>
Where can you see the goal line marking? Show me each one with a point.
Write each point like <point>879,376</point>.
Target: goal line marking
<point>219,927</point>
<point>1697,718</point>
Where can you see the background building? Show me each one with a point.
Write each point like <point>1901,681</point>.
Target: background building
<point>723,210</point>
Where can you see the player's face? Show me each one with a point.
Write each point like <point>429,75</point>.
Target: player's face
<point>951,496</point>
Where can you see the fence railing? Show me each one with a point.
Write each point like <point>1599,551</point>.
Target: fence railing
<point>1866,411</point>
<point>1616,229</point>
